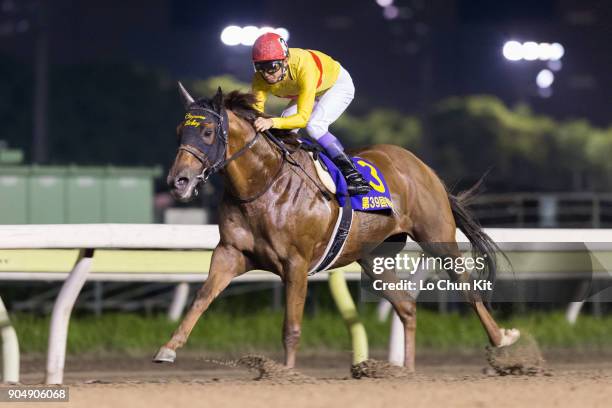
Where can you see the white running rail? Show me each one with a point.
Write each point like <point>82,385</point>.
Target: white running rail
<point>89,237</point>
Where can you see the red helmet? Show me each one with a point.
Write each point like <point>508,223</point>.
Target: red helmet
<point>270,46</point>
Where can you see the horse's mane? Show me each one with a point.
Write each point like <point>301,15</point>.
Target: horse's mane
<point>243,105</point>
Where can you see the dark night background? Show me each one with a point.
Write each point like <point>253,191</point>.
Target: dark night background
<point>462,37</point>
<point>112,67</point>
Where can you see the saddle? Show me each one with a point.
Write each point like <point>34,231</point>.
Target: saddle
<point>379,197</point>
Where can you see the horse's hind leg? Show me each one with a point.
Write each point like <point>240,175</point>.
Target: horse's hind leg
<point>449,248</point>
<point>403,304</point>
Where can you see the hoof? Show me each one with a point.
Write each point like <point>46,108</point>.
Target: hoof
<point>165,355</point>
<point>508,337</point>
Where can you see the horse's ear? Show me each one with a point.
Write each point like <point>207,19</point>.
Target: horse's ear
<point>187,99</point>
<point>218,100</point>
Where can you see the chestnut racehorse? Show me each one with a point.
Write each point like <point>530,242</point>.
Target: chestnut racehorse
<point>273,217</point>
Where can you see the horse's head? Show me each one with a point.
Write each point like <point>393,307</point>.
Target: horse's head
<point>202,144</point>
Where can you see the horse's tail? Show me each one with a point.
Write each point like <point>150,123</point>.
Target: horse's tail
<point>482,244</point>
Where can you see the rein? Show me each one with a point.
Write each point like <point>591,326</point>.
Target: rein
<point>287,155</point>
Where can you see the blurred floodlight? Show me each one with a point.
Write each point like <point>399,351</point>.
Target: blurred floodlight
<point>545,51</point>
<point>557,51</point>
<point>235,35</point>
<point>283,32</point>
<point>231,35</point>
<point>545,78</point>
<point>263,30</point>
<point>513,51</point>
<point>249,35</point>
<point>384,3</point>
<point>390,12</point>
<point>531,51</point>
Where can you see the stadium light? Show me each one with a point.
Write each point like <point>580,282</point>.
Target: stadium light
<point>513,51</point>
<point>557,52</point>
<point>545,51</point>
<point>282,32</point>
<point>234,35</point>
<point>532,51</point>
<point>545,79</point>
<point>231,35</point>
<point>263,30</point>
<point>248,35</point>
<point>550,53</point>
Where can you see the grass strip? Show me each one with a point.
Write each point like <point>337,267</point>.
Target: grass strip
<point>226,332</point>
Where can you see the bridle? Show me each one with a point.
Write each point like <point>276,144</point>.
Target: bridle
<point>196,148</point>
<point>193,145</point>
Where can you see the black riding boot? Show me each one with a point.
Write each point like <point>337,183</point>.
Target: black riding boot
<point>356,184</point>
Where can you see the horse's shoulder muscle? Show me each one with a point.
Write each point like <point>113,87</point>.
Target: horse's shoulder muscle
<point>234,228</point>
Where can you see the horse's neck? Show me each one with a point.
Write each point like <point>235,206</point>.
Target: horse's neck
<point>249,174</point>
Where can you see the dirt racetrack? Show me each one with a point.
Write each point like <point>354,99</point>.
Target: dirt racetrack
<point>455,381</point>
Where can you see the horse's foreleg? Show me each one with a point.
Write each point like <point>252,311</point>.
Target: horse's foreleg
<point>227,262</point>
<point>296,286</point>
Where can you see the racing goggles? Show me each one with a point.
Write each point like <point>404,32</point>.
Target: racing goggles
<point>268,67</point>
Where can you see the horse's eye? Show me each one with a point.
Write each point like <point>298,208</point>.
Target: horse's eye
<point>208,132</point>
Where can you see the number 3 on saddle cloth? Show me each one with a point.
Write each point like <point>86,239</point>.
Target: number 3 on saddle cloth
<point>378,199</point>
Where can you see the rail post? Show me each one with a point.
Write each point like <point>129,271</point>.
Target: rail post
<point>60,317</point>
<point>348,311</point>
<point>10,348</point>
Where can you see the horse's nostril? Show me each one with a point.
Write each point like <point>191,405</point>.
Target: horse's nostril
<point>181,182</point>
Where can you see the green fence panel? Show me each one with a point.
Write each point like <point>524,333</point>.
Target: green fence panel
<point>76,194</point>
<point>13,195</point>
<point>85,195</point>
<point>46,195</point>
<point>128,194</point>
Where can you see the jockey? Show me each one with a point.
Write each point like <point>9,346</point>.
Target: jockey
<point>320,91</point>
